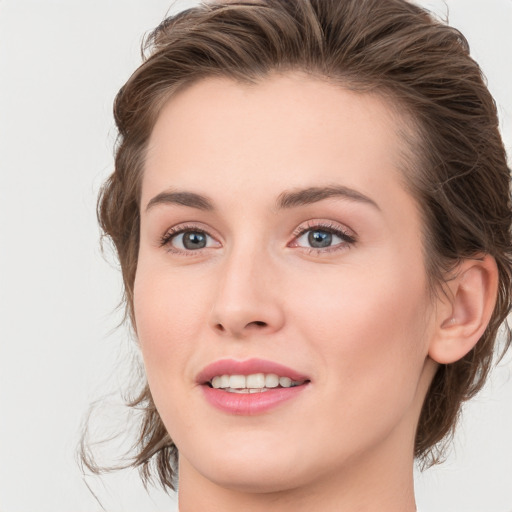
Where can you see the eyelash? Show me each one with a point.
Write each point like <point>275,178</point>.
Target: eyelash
<point>172,233</point>
<point>328,227</point>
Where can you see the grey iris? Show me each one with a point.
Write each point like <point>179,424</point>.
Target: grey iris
<point>194,240</point>
<point>320,239</point>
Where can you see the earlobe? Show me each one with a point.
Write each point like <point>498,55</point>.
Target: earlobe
<point>464,312</point>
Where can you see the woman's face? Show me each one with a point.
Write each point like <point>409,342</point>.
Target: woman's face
<point>279,244</point>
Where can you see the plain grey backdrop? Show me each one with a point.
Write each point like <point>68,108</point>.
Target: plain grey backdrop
<point>61,63</point>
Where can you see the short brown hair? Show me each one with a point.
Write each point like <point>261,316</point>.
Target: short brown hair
<point>459,177</point>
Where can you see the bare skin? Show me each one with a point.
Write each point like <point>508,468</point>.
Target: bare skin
<point>229,269</point>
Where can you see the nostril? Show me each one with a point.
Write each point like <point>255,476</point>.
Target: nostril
<point>238,329</point>
<point>258,323</point>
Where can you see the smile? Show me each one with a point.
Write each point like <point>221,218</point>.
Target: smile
<point>254,383</point>
<point>250,387</point>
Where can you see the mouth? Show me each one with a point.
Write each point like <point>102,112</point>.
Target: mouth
<point>253,383</point>
<point>250,387</point>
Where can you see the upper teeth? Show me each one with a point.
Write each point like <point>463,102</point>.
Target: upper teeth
<point>253,381</point>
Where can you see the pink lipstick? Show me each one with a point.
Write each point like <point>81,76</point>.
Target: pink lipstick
<point>249,387</point>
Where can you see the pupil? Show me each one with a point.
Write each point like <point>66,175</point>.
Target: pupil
<point>194,240</point>
<point>320,239</point>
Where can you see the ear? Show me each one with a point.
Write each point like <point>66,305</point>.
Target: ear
<point>463,313</point>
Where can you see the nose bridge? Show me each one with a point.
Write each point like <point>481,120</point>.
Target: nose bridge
<point>245,298</point>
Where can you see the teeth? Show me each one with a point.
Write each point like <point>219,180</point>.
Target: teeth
<point>256,380</point>
<point>271,380</point>
<point>237,381</point>
<point>246,390</point>
<point>285,382</point>
<point>254,383</point>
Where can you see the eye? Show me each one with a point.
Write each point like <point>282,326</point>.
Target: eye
<point>322,237</point>
<point>190,240</point>
<point>318,239</point>
<point>184,239</point>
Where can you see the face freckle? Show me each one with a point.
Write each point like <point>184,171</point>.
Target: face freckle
<point>332,285</point>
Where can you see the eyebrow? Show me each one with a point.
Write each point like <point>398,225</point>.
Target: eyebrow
<point>190,199</point>
<point>312,195</point>
<point>285,200</point>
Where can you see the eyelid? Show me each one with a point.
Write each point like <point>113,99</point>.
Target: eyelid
<point>348,236</point>
<point>171,233</point>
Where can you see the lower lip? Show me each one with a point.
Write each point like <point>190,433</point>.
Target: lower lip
<point>249,404</point>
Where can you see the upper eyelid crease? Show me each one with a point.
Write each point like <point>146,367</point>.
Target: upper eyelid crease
<point>348,237</point>
<point>348,234</point>
<point>184,228</point>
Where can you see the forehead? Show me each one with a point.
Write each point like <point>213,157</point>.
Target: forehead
<point>290,130</point>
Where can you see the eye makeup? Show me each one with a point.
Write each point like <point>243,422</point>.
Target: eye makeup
<point>314,237</point>
<point>321,237</point>
<point>186,239</point>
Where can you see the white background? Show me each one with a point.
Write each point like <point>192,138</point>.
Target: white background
<point>61,63</point>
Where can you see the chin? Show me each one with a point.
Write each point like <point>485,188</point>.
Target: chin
<point>260,467</point>
<point>266,478</point>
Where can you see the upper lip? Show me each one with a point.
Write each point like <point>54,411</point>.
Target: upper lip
<point>247,367</point>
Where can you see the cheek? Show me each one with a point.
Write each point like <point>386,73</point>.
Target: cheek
<point>168,315</point>
<point>370,325</point>
<point>367,334</point>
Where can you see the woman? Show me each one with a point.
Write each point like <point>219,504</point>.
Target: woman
<point>311,209</point>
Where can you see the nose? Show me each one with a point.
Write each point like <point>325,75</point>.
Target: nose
<point>247,300</point>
